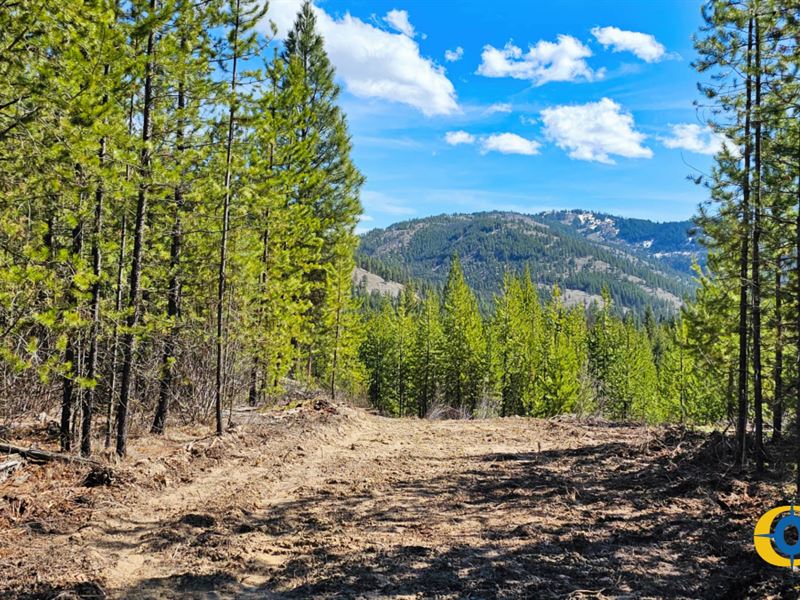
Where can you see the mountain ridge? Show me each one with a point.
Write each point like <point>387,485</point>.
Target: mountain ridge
<point>641,262</point>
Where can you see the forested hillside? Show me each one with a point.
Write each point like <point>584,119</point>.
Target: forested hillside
<point>489,244</point>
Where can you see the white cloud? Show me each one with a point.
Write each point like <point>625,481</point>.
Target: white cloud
<point>694,138</point>
<point>643,45</point>
<point>499,107</point>
<point>563,60</point>
<point>398,19</point>
<point>594,131</point>
<point>509,143</point>
<point>378,202</point>
<point>454,55</point>
<point>374,63</point>
<point>454,138</point>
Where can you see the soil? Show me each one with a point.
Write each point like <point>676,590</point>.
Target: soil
<point>328,501</point>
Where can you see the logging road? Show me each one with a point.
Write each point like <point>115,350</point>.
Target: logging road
<point>338,503</point>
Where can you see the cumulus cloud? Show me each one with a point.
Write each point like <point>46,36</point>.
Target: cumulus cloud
<point>594,131</point>
<point>694,138</point>
<point>563,60</point>
<point>398,19</point>
<point>509,143</point>
<point>454,138</point>
<point>498,107</point>
<point>454,55</point>
<point>643,45</point>
<point>374,63</point>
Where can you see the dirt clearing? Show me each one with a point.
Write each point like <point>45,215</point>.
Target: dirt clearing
<point>332,502</point>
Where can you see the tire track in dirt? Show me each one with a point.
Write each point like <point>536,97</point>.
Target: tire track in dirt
<point>357,506</point>
<point>125,535</point>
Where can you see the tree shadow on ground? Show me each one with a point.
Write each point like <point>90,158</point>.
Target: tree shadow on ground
<point>612,519</point>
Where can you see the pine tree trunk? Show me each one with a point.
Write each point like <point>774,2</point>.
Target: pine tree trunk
<point>744,284</point>
<point>115,334</point>
<point>71,354</point>
<point>797,328</point>
<point>777,403</point>
<point>335,361</point>
<point>758,398</point>
<point>118,294</point>
<point>261,365</point>
<point>134,300</point>
<point>94,341</point>
<point>174,291</point>
<point>226,209</point>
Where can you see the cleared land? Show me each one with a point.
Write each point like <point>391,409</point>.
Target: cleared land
<point>327,501</point>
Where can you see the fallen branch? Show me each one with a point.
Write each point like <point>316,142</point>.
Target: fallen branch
<point>44,456</point>
<point>8,467</point>
<point>9,464</point>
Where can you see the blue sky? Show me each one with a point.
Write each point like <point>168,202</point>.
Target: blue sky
<point>463,106</point>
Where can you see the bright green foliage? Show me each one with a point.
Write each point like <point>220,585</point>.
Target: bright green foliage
<point>561,378</point>
<point>380,354</point>
<point>465,344</point>
<point>427,355</point>
<point>270,142</point>
<point>326,181</point>
<point>518,331</point>
<point>529,358</point>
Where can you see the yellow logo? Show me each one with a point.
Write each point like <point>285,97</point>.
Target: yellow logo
<point>770,542</point>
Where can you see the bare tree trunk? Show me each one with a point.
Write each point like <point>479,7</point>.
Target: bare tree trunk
<point>94,340</point>
<point>115,335</point>
<point>758,396</point>
<point>174,291</point>
<point>260,366</point>
<point>226,210</point>
<point>118,295</point>
<point>71,354</point>
<point>336,338</point>
<point>777,402</point>
<point>134,300</point>
<point>744,284</point>
<point>797,329</point>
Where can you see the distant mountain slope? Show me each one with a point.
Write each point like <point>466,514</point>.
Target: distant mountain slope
<point>561,248</point>
<point>375,283</point>
<point>674,243</point>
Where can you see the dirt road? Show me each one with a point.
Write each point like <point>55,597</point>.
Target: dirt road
<point>350,505</point>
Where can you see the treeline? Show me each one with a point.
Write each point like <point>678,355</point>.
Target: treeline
<point>746,318</point>
<point>432,353</point>
<point>177,206</point>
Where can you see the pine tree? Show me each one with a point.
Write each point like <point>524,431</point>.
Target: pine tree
<point>464,364</point>
<point>380,355</point>
<point>427,355</point>
<point>328,183</point>
<point>150,24</point>
<point>187,48</point>
<point>559,381</point>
